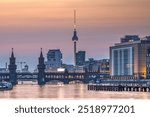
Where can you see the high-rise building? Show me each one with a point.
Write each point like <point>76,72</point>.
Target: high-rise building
<point>128,58</point>
<point>80,58</point>
<point>54,59</point>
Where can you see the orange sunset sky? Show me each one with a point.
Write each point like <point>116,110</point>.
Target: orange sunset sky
<point>28,25</point>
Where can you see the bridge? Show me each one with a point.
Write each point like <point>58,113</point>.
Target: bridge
<point>43,77</point>
<point>84,77</point>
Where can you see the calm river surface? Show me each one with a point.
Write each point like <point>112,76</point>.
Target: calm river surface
<point>71,91</point>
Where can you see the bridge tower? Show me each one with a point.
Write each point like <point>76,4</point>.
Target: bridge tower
<point>41,70</point>
<point>12,69</point>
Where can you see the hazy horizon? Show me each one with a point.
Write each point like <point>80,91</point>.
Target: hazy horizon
<point>28,25</point>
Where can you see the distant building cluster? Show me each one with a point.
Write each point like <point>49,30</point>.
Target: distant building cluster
<point>54,63</point>
<point>101,66</point>
<point>129,59</point>
<point>22,68</point>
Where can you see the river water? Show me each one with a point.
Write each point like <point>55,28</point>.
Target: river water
<point>71,91</point>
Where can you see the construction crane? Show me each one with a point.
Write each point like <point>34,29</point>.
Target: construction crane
<point>21,63</point>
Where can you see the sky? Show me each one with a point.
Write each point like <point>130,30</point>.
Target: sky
<point>28,25</point>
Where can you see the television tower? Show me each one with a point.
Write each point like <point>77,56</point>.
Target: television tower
<point>75,38</point>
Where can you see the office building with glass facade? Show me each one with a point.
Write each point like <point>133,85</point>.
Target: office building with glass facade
<point>148,64</point>
<point>54,59</point>
<point>129,57</point>
<point>80,58</point>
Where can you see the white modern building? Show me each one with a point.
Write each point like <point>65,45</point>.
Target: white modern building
<point>122,61</point>
<point>128,58</point>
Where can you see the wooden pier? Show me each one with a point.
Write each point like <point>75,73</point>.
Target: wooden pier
<point>123,86</point>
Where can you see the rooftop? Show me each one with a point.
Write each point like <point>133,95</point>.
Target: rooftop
<point>132,39</point>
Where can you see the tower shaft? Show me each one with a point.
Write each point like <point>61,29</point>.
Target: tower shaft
<point>75,51</point>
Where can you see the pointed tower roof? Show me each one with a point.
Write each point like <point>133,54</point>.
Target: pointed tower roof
<point>12,53</point>
<point>41,55</point>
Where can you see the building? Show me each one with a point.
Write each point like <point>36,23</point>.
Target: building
<point>80,58</point>
<point>148,64</point>
<point>104,66</point>
<point>92,65</point>
<point>69,68</point>
<point>101,66</point>
<point>54,59</point>
<point>128,58</point>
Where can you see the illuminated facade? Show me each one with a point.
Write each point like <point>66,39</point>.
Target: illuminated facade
<point>148,64</point>
<point>129,58</point>
<point>122,60</point>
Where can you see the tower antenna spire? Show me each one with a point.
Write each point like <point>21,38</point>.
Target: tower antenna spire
<point>74,19</point>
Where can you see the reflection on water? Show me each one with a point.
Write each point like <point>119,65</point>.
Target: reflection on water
<point>72,91</point>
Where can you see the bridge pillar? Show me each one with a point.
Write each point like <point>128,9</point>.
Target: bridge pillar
<point>66,81</point>
<point>86,78</point>
<point>12,69</point>
<point>41,70</point>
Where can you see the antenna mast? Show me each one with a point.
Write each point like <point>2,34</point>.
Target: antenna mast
<point>74,19</point>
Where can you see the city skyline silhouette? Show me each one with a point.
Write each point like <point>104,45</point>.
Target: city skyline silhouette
<point>29,25</point>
